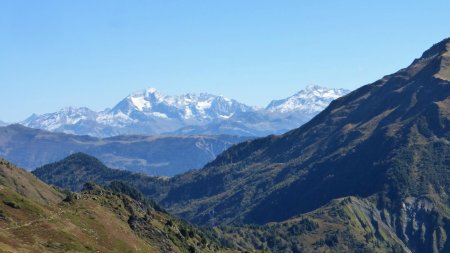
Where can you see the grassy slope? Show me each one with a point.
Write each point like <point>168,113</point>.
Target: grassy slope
<point>92,221</point>
<point>26,184</point>
<point>83,227</point>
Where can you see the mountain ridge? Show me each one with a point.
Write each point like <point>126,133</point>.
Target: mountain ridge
<point>89,169</point>
<point>156,155</point>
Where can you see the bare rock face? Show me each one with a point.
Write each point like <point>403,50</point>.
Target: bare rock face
<point>444,72</point>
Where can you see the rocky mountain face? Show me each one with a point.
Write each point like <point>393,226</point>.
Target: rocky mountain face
<point>149,112</point>
<point>344,225</point>
<point>35,217</point>
<point>155,155</point>
<point>370,173</point>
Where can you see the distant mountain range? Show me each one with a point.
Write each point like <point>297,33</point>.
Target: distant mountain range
<point>3,123</point>
<point>149,112</point>
<point>155,155</point>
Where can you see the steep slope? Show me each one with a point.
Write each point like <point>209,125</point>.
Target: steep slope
<point>149,112</point>
<point>111,219</point>
<point>163,155</point>
<point>27,185</point>
<point>344,225</point>
<point>389,137</point>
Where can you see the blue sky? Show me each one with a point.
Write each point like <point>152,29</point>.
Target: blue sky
<point>93,53</point>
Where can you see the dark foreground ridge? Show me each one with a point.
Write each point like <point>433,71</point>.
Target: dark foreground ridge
<point>35,217</point>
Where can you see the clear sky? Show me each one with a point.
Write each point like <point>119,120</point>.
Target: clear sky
<point>93,53</point>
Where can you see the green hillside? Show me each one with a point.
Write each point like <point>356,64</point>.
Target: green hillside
<point>98,219</point>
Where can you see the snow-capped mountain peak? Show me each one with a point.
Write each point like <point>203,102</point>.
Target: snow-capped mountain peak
<point>191,107</point>
<point>150,112</point>
<point>143,100</point>
<point>320,91</point>
<point>310,100</point>
<point>65,116</point>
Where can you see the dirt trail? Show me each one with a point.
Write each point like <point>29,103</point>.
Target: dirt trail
<point>30,223</point>
<point>34,221</point>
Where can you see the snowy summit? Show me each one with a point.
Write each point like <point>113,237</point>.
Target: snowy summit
<point>312,99</point>
<point>150,112</point>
